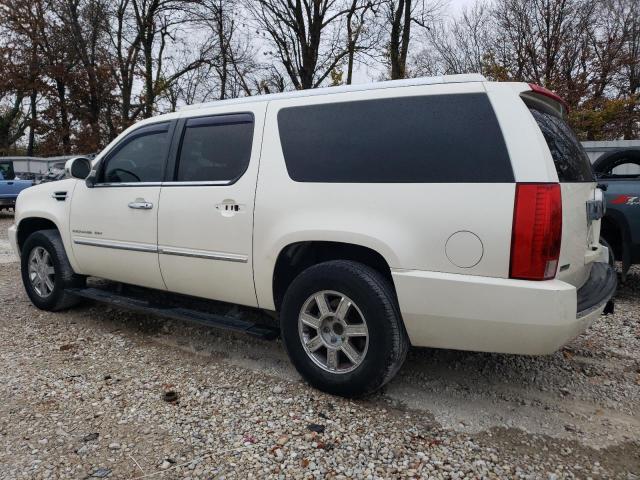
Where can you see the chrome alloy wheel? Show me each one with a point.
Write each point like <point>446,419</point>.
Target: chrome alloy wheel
<point>333,331</point>
<point>41,272</point>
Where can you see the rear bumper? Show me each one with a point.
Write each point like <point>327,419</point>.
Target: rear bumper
<point>466,312</point>
<point>8,202</point>
<point>598,289</point>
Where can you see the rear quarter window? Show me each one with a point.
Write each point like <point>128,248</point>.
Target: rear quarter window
<point>571,161</point>
<point>424,139</point>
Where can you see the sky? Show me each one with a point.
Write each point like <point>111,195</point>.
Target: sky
<point>456,5</point>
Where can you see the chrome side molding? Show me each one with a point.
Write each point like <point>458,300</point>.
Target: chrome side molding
<point>134,247</point>
<point>206,254</point>
<point>151,248</point>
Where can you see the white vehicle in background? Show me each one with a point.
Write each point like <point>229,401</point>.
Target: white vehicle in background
<point>444,212</point>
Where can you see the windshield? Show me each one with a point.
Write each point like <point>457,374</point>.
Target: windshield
<point>572,162</point>
<point>6,171</point>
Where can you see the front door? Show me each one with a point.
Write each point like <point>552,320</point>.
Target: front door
<point>205,221</point>
<point>114,224</point>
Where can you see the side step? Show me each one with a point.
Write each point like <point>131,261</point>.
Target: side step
<point>177,313</point>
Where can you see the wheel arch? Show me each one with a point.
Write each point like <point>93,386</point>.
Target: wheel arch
<point>610,160</point>
<point>615,229</point>
<point>31,224</point>
<point>36,221</point>
<point>297,256</point>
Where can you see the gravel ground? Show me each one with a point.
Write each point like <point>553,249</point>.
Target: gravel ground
<point>84,396</point>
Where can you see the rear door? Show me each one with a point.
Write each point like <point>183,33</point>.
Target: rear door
<point>581,200</point>
<point>205,221</point>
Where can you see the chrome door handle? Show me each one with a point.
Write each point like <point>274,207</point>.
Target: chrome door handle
<point>141,204</point>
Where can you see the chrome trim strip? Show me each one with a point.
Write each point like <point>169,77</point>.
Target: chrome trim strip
<point>197,184</point>
<point>164,184</point>
<point>147,247</point>
<point>206,254</point>
<point>135,247</point>
<point>128,184</point>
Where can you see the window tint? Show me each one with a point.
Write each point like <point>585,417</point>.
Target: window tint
<point>572,162</point>
<point>215,148</point>
<point>141,157</point>
<point>437,138</point>
<point>6,171</point>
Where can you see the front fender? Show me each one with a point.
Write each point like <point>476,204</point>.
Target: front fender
<point>39,202</point>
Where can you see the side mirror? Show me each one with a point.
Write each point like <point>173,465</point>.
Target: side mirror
<point>78,167</point>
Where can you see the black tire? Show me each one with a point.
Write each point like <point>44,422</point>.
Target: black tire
<point>610,160</point>
<point>374,297</point>
<point>63,276</point>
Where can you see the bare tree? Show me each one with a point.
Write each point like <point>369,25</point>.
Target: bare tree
<point>126,43</point>
<point>157,24</point>
<point>84,23</point>
<point>304,36</point>
<point>229,53</point>
<point>361,31</point>
<point>460,44</point>
<point>23,70</point>
<point>13,120</point>
<point>400,16</point>
<point>627,79</point>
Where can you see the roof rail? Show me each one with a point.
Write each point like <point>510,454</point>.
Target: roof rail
<point>407,82</point>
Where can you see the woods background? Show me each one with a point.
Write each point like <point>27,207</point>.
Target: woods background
<point>75,73</point>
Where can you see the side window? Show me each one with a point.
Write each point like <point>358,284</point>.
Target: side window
<point>452,138</point>
<point>215,148</point>
<point>6,171</point>
<point>140,157</point>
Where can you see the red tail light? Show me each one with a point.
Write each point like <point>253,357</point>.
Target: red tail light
<point>537,231</point>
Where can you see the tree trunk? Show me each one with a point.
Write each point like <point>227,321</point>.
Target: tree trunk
<point>395,57</point>
<point>149,94</point>
<point>64,117</point>
<point>32,124</point>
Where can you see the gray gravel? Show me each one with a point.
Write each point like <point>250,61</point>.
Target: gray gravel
<point>83,396</point>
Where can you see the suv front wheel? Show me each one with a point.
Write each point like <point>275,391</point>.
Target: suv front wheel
<point>46,271</point>
<point>342,329</point>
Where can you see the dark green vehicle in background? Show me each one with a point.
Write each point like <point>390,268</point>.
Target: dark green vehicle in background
<point>619,172</point>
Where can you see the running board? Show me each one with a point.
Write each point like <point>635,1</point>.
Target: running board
<point>177,313</point>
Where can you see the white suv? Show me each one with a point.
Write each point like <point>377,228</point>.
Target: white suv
<point>445,212</point>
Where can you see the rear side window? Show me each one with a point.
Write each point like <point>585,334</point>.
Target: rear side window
<point>426,139</point>
<point>572,162</point>
<point>215,148</point>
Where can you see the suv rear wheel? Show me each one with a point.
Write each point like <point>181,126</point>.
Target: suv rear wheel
<point>46,271</point>
<point>342,329</point>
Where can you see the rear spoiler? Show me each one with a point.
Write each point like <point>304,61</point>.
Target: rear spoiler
<point>546,98</point>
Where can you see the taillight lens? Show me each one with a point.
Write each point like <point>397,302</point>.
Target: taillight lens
<point>537,231</point>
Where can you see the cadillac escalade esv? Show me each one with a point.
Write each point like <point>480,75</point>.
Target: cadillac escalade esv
<point>445,212</point>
